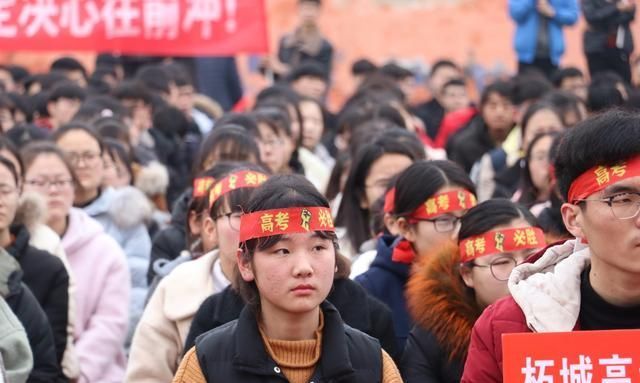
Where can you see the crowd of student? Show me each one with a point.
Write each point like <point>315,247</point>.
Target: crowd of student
<point>148,237</point>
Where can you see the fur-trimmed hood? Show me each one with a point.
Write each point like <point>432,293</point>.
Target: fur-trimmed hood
<point>439,301</point>
<point>126,207</point>
<point>32,210</point>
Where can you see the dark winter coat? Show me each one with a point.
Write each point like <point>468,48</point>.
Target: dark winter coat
<point>24,305</point>
<point>386,281</point>
<point>235,352</point>
<point>169,242</point>
<point>432,114</point>
<point>368,315</point>
<point>470,143</point>
<point>48,280</point>
<point>603,19</point>
<point>444,311</point>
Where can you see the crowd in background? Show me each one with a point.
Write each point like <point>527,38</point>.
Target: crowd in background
<point>115,257</point>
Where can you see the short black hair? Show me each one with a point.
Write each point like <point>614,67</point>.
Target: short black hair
<point>155,77</point>
<point>501,88</point>
<point>605,139</point>
<point>317,2</point>
<point>603,95</point>
<point>68,64</point>
<point>228,142</point>
<point>171,121</point>
<point>564,73</point>
<point>108,60</point>
<point>491,213</point>
<point>454,82</point>
<point>529,87</point>
<point>445,63</point>
<point>308,69</point>
<point>133,90</point>
<point>395,71</point>
<point>67,90</point>
<point>179,73</point>
<point>363,67</point>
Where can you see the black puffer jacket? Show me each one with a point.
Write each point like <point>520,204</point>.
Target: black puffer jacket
<point>24,305</point>
<point>469,144</point>
<point>369,315</point>
<point>169,242</point>
<point>235,352</point>
<point>48,280</point>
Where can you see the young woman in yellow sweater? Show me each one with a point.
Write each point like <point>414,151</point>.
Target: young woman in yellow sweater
<point>287,332</point>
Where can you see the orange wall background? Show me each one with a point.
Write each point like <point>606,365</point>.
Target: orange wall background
<point>413,30</point>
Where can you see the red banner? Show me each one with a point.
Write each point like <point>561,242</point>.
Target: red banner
<point>576,357</point>
<point>155,27</point>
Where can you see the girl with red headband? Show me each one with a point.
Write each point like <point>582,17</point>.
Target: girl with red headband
<point>430,198</point>
<point>167,317</point>
<point>287,262</point>
<point>449,290</point>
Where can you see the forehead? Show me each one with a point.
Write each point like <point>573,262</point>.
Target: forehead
<point>630,184</point>
<point>48,164</point>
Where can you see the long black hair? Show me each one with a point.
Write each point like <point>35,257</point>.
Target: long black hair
<point>350,214</point>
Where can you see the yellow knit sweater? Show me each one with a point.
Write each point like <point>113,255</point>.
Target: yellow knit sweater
<point>296,359</point>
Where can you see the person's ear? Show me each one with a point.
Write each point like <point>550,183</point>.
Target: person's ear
<point>573,216</point>
<point>467,277</point>
<point>51,108</point>
<point>244,267</point>
<point>406,229</point>
<point>391,223</point>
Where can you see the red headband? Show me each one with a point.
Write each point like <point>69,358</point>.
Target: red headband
<point>294,220</point>
<point>238,180</point>
<point>501,241</point>
<point>389,200</point>
<point>448,202</point>
<point>600,177</point>
<point>201,186</point>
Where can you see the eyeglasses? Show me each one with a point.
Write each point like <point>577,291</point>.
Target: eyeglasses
<point>443,224</point>
<point>501,267</point>
<point>233,219</point>
<point>86,157</point>
<point>272,142</point>
<point>46,184</point>
<point>623,205</point>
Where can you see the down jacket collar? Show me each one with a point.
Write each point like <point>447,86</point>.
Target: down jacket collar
<point>548,290</point>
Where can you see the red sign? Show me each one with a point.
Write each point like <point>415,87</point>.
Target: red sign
<point>157,27</point>
<point>576,357</point>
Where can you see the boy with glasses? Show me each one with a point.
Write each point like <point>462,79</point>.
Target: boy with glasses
<point>592,282</point>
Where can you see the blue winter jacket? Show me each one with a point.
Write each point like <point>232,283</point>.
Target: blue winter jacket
<point>386,281</point>
<point>527,18</point>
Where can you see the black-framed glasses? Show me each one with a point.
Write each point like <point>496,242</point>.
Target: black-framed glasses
<point>623,205</point>
<point>500,267</point>
<point>87,158</point>
<point>443,224</point>
<point>233,219</point>
<point>46,183</point>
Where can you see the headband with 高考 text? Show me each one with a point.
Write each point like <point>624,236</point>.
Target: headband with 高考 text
<point>501,241</point>
<point>237,180</point>
<point>443,203</point>
<point>201,186</point>
<point>293,220</point>
<point>600,177</point>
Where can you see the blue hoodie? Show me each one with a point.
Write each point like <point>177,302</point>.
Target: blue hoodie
<point>386,281</point>
<point>527,18</point>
